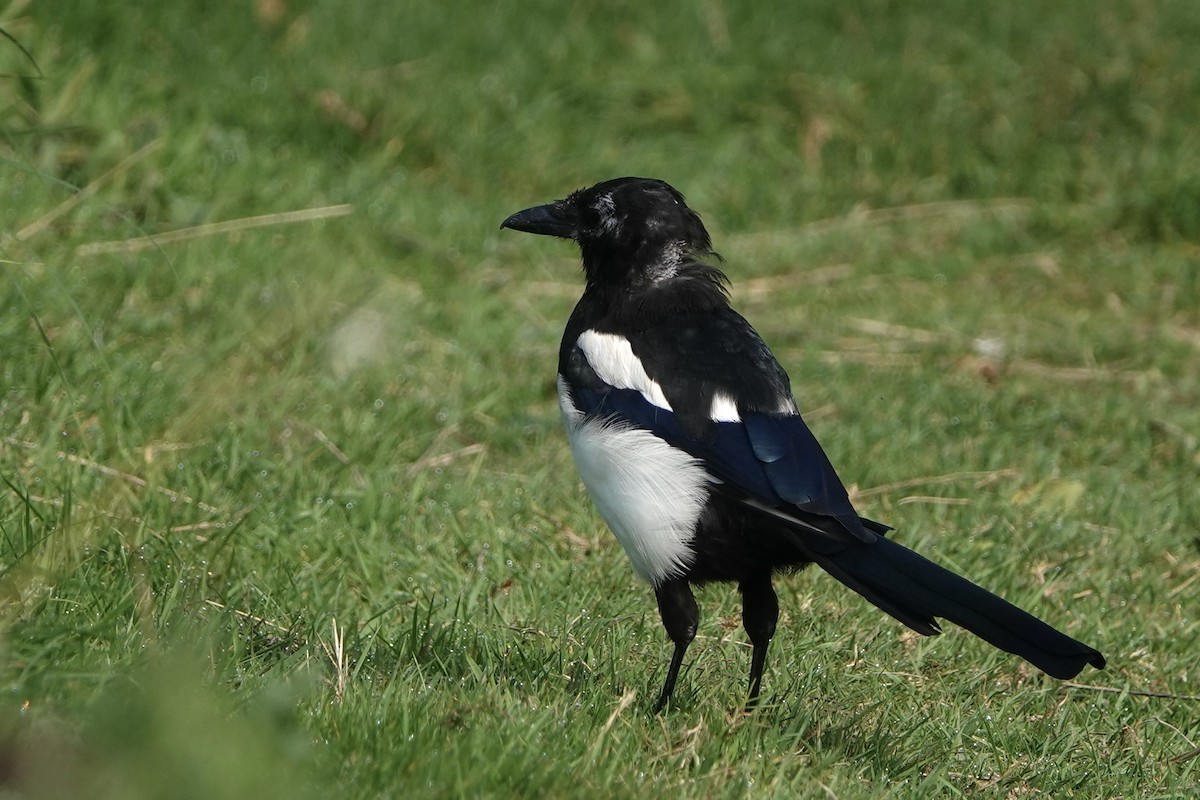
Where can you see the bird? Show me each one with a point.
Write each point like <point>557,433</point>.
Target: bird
<point>688,438</point>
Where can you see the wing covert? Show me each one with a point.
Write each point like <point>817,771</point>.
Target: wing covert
<point>708,384</point>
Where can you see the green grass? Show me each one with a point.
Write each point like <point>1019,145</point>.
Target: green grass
<point>286,509</point>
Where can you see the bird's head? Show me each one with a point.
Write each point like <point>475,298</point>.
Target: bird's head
<point>628,229</point>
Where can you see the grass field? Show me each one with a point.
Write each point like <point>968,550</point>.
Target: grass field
<point>286,510</point>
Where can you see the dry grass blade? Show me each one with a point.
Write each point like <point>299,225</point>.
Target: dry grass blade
<point>432,459</point>
<point>336,651</point>
<point>980,479</point>
<point>447,458</point>
<point>237,612</point>
<point>935,500</point>
<point>567,289</point>
<point>1189,336</point>
<point>335,451</point>
<point>320,436</point>
<point>622,704</point>
<point>1188,756</point>
<point>1133,692</point>
<point>1080,373</point>
<point>210,525</point>
<point>769,286</point>
<point>881,359</point>
<point>891,330</point>
<point>214,229</point>
<point>1183,586</point>
<point>953,209</point>
<point>46,220</point>
<point>124,476</point>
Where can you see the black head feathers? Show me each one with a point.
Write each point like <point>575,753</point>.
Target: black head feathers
<point>629,230</point>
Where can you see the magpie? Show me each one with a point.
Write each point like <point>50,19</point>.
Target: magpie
<point>686,434</point>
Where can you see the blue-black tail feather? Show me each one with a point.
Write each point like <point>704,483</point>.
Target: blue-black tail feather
<point>915,590</point>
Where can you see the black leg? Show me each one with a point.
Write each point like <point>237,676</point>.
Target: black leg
<point>760,611</point>
<point>680,616</point>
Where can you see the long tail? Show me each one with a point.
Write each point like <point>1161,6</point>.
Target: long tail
<point>915,590</point>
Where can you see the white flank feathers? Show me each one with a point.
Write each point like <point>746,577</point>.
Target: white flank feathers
<point>650,493</point>
<point>611,356</point>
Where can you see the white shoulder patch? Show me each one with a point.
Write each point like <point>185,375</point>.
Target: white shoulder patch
<point>650,493</point>
<point>724,409</point>
<point>611,356</point>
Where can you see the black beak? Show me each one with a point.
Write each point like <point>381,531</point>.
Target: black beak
<point>548,220</point>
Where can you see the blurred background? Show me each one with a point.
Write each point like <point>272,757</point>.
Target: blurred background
<point>285,504</point>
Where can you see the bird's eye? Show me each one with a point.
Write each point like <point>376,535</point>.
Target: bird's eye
<point>590,217</point>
